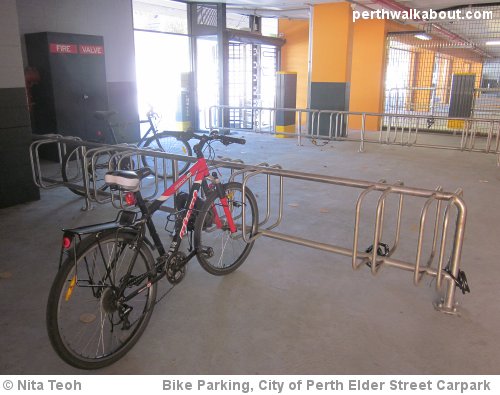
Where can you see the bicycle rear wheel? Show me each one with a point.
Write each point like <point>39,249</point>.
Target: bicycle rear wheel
<point>86,324</point>
<point>72,171</point>
<point>228,250</point>
<point>170,145</point>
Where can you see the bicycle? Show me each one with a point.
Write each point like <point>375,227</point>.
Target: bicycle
<point>166,141</point>
<point>105,289</point>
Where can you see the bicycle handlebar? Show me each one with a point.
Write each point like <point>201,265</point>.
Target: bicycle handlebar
<point>214,136</point>
<point>226,140</point>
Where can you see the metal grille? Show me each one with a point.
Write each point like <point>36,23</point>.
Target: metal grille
<point>252,81</point>
<point>206,15</point>
<point>240,84</point>
<point>445,72</point>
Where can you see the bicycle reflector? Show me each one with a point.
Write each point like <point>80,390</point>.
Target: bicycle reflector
<point>66,242</point>
<point>130,199</point>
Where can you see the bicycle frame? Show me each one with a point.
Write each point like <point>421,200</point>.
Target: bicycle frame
<point>200,172</point>
<point>152,128</point>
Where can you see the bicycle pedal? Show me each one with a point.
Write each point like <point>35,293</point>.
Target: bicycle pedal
<point>207,251</point>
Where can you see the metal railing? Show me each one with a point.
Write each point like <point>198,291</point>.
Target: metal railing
<point>465,134</point>
<point>448,251</point>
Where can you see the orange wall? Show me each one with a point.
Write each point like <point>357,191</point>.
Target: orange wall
<point>295,54</point>
<point>368,58</point>
<point>332,42</point>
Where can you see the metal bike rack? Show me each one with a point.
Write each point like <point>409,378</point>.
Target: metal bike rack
<point>38,178</point>
<point>447,271</point>
<point>217,121</point>
<point>401,129</point>
<point>442,273</point>
<point>87,156</point>
<point>246,174</point>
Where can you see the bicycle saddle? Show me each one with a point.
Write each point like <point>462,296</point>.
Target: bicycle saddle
<point>104,115</point>
<point>126,180</point>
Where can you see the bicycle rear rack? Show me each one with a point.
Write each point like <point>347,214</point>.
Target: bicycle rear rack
<point>446,272</point>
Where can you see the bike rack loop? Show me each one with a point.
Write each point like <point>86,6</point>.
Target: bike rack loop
<point>378,231</point>
<point>40,140</point>
<point>444,275</point>
<point>254,173</point>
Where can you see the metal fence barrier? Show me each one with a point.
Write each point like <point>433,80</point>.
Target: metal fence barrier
<point>465,134</point>
<point>446,249</point>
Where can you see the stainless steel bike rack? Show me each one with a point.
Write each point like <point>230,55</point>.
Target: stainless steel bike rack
<point>88,154</point>
<point>40,140</point>
<point>217,121</point>
<point>446,272</point>
<point>246,174</point>
<point>401,129</point>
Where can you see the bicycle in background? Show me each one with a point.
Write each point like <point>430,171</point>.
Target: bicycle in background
<point>166,141</point>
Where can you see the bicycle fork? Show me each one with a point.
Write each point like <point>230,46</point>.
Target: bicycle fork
<point>221,194</point>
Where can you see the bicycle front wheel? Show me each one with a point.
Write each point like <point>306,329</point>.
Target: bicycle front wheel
<point>220,251</point>
<point>170,145</point>
<point>88,326</point>
<point>72,172</point>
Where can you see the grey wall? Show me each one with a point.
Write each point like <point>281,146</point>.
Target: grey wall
<point>111,19</point>
<point>16,184</point>
<point>11,65</point>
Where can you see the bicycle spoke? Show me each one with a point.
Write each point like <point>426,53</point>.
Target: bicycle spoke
<point>90,328</point>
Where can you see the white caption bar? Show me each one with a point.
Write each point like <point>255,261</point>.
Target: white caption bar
<point>159,384</point>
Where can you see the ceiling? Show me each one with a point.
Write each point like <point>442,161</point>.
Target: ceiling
<point>464,34</point>
<point>283,8</point>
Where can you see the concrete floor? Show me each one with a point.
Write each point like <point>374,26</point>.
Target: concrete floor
<point>288,309</point>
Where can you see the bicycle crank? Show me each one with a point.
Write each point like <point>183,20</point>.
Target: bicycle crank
<point>176,268</point>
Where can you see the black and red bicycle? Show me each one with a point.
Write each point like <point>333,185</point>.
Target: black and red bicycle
<point>106,287</point>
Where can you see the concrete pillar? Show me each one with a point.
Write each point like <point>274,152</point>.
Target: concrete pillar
<point>367,74</point>
<point>16,183</point>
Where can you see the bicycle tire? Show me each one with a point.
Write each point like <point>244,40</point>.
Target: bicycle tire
<point>168,144</point>
<point>206,233</point>
<point>86,317</point>
<point>72,164</point>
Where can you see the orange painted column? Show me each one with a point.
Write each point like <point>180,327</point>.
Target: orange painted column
<point>331,55</point>
<point>368,71</point>
<point>331,42</point>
